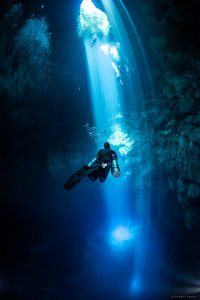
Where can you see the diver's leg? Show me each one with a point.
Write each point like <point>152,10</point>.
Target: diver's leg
<point>103,174</point>
<point>93,175</point>
<point>102,179</point>
<point>83,171</point>
<point>89,170</point>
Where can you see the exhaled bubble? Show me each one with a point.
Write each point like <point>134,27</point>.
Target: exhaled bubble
<point>32,47</point>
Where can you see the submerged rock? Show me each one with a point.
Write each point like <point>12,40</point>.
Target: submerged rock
<point>176,132</point>
<point>194,190</point>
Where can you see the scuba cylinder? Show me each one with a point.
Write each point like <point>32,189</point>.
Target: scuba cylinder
<point>93,163</point>
<point>115,170</point>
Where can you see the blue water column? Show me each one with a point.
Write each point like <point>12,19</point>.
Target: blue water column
<point>115,67</point>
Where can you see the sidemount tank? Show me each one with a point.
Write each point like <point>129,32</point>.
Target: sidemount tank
<point>93,163</point>
<point>115,170</point>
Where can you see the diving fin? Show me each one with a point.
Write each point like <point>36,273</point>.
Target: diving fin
<point>76,178</point>
<point>72,181</point>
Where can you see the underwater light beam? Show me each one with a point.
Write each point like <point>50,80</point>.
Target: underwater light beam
<point>121,234</point>
<point>109,97</point>
<point>93,20</point>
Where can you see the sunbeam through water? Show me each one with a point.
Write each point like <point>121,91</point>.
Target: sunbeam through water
<point>115,78</point>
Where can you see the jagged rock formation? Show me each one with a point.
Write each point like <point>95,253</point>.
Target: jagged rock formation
<point>174,47</point>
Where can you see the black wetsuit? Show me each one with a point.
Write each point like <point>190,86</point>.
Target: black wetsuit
<point>105,156</point>
<point>98,168</point>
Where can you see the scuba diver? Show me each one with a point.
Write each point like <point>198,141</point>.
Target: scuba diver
<point>99,167</point>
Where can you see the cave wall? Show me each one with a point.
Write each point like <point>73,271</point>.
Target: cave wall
<point>172,45</point>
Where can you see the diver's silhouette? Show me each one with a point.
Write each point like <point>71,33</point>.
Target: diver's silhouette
<point>99,167</point>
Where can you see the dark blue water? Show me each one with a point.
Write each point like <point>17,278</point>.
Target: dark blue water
<point>57,244</point>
